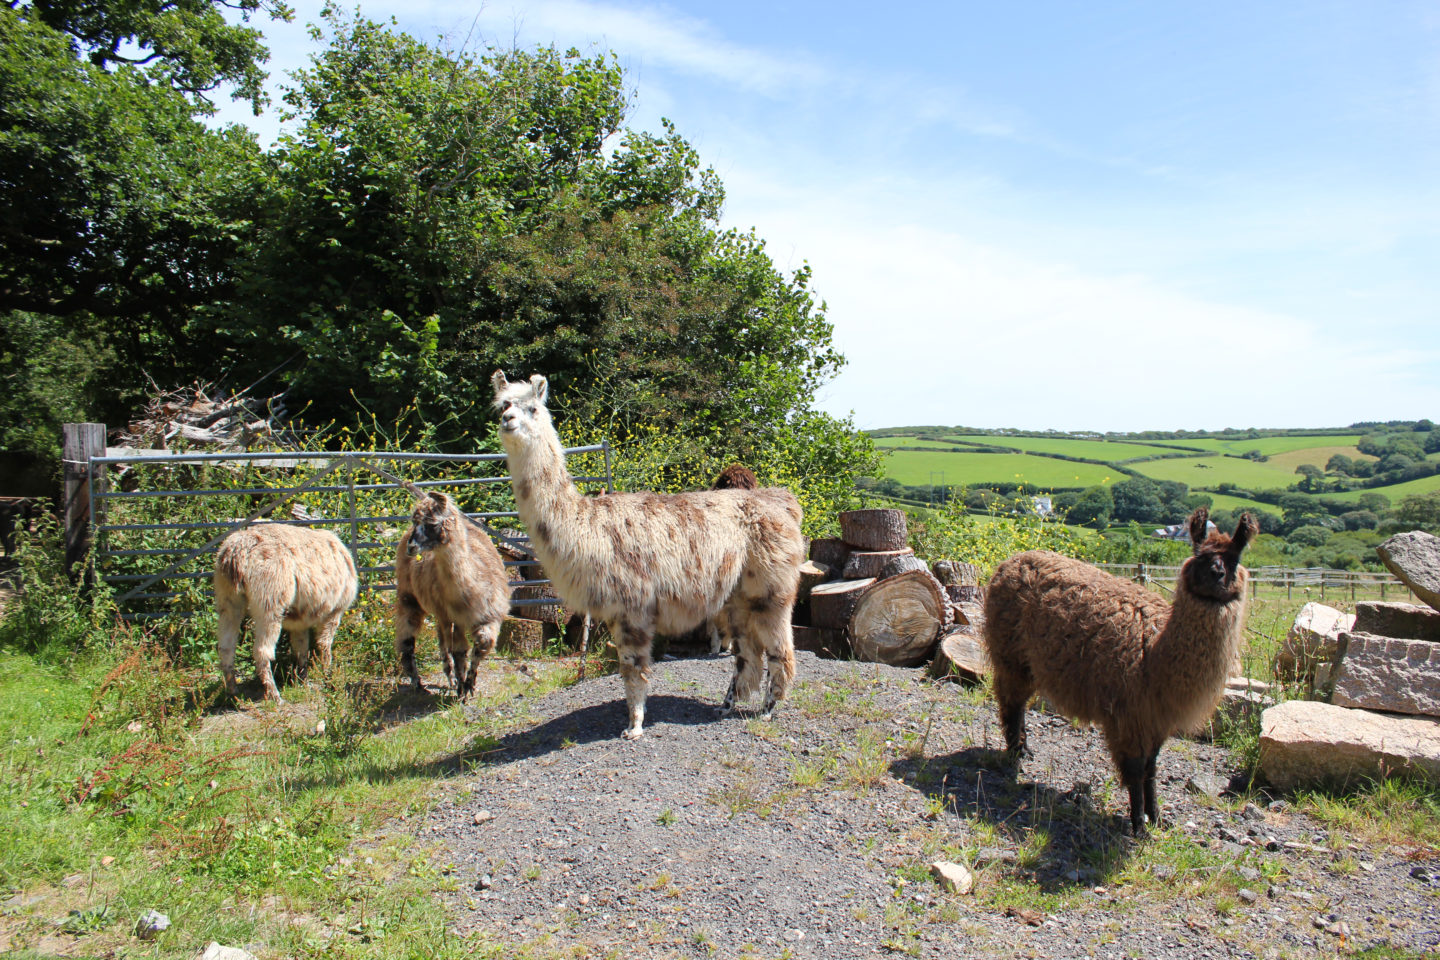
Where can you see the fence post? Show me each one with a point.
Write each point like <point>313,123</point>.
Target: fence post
<point>81,442</point>
<point>350,504</point>
<point>1289,583</point>
<point>1382,587</point>
<point>1352,588</point>
<point>609,474</point>
<point>1322,584</point>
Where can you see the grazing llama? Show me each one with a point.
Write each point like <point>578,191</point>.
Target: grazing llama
<point>282,576</point>
<point>1106,651</point>
<point>647,562</point>
<point>448,568</point>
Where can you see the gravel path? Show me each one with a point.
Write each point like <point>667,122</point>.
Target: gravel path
<point>811,836</point>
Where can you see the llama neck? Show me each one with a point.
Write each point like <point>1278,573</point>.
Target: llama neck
<point>1201,638</point>
<point>541,481</point>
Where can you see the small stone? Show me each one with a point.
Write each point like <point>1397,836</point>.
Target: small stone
<point>1252,812</point>
<point>1073,876</point>
<point>134,726</point>
<point>992,855</point>
<point>151,924</point>
<point>1339,929</point>
<point>1247,895</point>
<point>1278,806</point>
<point>794,936</point>
<point>1204,786</point>
<point>952,877</point>
<point>214,951</point>
<point>320,728</point>
<point>1164,871</point>
<point>106,861</point>
<point>1248,874</point>
<point>483,816</point>
<point>1272,844</point>
<point>1420,873</point>
<point>485,882</point>
<point>1275,891</point>
<point>584,900</point>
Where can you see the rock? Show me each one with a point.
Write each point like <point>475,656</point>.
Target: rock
<point>485,882</point>
<point>214,951</point>
<point>1312,639</point>
<point>1420,873</point>
<point>1305,743</point>
<point>1409,621</point>
<point>483,816</point>
<point>1385,673</point>
<point>1204,785</point>
<point>1248,896</point>
<point>952,877</point>
<point>1252,812</point>
<point>1164,871</point>
<point>1248,874</point>
<point>1243,700</point>
<point>1414,557</point>
<point>960,656</point>
<point>151,924</point>
<point>993,855</point>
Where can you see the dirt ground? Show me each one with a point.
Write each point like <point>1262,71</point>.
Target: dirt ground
<point>812,836</point>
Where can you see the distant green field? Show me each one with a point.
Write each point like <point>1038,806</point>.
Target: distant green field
<point>914,468</point>
<point>1223,501</point>
<point>885,443</point>
<point>1213,471</point>
<point>1395,492</point>
<point>1268,446</point>
<point>1090,449</point>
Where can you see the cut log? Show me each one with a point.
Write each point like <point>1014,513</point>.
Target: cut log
<point>962,594</point>
<point>829,644</point>
<point>953,573</point>
<point>904,563</point>
<point>960,656</point>
<point>897,621</point>
<point>866,563</point>
<point>525,637</point>
<point>832,603</point>
<point>811,574</point>
<point>874,529</point>
<point>967,614</point>
<point>831,551</point>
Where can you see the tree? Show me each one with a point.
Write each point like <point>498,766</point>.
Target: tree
<point>1136,499</point>
<point>1375,502</point>
<point>1093,508</point>
<point>1311,474</point>
<point>1360,520</point>
<point>1420,511</point>
<point>1339,463</point>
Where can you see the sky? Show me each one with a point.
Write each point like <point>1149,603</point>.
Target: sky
<point>1102,216</point>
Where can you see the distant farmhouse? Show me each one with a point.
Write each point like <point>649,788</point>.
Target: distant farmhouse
<point>1178,531</point>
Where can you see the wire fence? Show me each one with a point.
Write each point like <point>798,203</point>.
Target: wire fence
<point>152,541</point>
<point>1317,582</point>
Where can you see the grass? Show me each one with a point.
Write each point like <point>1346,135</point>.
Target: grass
<point>1268,446</point>
<point>1104,450</point>
<point>1214,470</point>
<point>914,468</point>
<point>127,787</point>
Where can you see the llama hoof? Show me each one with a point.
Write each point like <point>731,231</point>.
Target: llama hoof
<point>632,733</point>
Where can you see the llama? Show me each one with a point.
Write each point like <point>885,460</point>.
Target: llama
<point>733,477</point>
<point>282,576</point>
<point>1107,651</point>
<point>449,569</point>
<point>647,562</point>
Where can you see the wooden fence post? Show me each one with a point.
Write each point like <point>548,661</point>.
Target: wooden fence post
<point>81,442</point>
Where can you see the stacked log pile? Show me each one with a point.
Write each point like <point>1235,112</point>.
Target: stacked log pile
<point>192,415</point>
<point>885,606</point>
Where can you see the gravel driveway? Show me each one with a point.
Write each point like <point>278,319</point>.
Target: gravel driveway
<point>811,836</point>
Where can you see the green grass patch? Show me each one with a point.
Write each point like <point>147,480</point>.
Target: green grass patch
<point>917,467</point>
<point>1106,450</point>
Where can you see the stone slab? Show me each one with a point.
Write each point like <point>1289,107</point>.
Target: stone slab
<point>1409,621</point>
<point>1388,673</point>
<point>1242,703</point>
<point>1414,557</point>
<point>1304,743</point>
<point>1311,640</point>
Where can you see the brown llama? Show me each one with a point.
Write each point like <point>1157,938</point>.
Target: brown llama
<point>285,577</point>
<point>1108,652</point>
<point>448,568</point>
<point>647,562</point>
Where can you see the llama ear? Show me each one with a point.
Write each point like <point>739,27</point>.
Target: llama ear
<point>441,500</point>
<point>1199,524</point>
<point>498,381</point>
<point>1245,531</point>
<point>541,387</point>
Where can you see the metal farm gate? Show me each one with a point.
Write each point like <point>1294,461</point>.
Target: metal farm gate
<point>151,544</point>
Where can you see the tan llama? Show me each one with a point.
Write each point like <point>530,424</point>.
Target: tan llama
<point>285,577</point>
<point>648,562</point>
<point>448,568</point>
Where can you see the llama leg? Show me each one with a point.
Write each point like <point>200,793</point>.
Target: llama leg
<point>408,617</point>
<point>325,640</point>
<point>1132,772</point>
<point>445,634</point>
<point>486,634</point>
<point>1152,805</point>
<point>714,639</point>
<point>773,628</point>
<point>232,615</point>
<point>633,647</point>
<point>749,662</point>
<point>267,634</point>
<point>1012,695</point>
<point>300,647</point>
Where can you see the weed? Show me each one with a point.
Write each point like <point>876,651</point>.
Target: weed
<point>666,818</point>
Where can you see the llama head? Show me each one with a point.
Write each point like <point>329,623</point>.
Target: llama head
<point>735,477</point>
<point>435,523</point>
<point>1211,572</point>
<point>523,415</point>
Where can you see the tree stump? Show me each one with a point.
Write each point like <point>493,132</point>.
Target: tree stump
<point>904,563</point>
<point>831,551</point>
<point>525,637</point>
<point>831,603</point>
<point>960,656</point>
<point>962,594</point>
<point>968,614</point>
<point>811,574</point>
<point>953,573</point>
<point>867,563</point>
<point>897,621</point>
<point>874,529</point>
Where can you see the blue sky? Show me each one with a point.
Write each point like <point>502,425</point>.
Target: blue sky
<point>1101,215</point>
